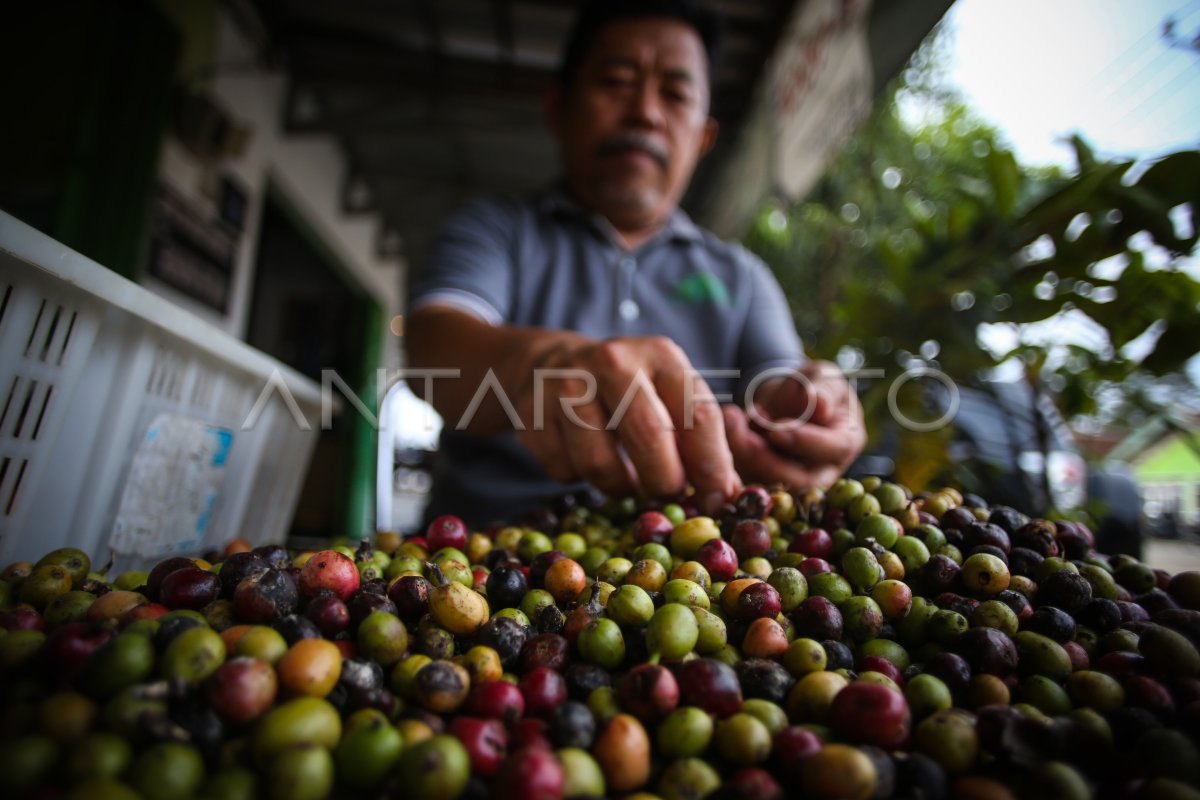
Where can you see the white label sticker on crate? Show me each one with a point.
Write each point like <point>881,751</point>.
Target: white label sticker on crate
<point>174,482</point>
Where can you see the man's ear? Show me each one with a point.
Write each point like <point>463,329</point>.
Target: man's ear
<point>709,137</point>
<point>554,101</point>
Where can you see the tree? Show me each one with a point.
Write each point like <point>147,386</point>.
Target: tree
<point>927,244</point>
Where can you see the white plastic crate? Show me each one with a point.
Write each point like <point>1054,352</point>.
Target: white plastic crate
<point>124,419</point>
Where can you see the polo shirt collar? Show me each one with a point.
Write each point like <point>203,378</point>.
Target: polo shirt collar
<point>555,200</point>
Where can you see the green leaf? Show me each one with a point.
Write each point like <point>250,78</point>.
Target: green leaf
<point>974,188</point>
<point>1175,347</point>
<point>1083,153</point>
<point>1143,209</point>
<point>1175,178</point>
<point>1006,179</point>
<point>1083,193</point>
<point>961,219</point>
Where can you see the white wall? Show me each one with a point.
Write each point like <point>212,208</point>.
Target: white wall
<point>306,169</point>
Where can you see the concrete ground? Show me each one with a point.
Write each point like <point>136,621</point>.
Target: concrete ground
<point>1172,555</point>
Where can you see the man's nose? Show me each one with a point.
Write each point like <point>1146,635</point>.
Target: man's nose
<point>645,105</point>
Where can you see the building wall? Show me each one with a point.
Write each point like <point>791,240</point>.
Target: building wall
<point>1169,476</point>
<point>305,170</point>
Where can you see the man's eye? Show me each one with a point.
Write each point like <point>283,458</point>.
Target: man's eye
<point>616,79</point>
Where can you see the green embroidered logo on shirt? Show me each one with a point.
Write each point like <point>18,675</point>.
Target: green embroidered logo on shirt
<point>702,287</point>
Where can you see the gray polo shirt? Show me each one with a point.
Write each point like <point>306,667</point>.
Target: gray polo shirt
<point>543,261</point>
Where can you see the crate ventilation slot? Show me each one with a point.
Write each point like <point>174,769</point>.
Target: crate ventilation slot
<point>25,406</point>
<point>11,472</point>
<point>8,290</point>
<point>202,389</point>
<point>51,332</point>
<point>165,378</point>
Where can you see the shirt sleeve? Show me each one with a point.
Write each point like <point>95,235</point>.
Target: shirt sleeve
<point>470,264</point>
<point>769,340</point>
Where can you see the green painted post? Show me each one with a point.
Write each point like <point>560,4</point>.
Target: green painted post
<point>364,436</point>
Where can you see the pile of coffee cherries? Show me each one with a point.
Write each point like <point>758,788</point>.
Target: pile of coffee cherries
<point>856,643</point>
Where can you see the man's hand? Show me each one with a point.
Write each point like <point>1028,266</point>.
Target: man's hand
<point>802,430</point>
<point>626,415</point>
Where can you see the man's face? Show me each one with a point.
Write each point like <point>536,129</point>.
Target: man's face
<point>635,122</point>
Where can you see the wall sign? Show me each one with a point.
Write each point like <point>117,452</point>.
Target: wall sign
<point>192,252</point>
<point>821,88</point>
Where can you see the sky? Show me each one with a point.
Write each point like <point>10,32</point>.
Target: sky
<point>1042,69</point>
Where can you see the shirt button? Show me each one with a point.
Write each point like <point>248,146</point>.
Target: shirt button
<point>629,311</point>
<point>628,264</point>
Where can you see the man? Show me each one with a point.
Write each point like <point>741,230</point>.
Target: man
<point>595,327</point>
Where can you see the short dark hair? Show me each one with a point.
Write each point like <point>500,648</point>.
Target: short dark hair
<point>595,14</point>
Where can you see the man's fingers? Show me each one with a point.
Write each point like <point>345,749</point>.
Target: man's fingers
<point>593,452</point>
<point>802,397</point>
<point>815,444</point>
<point>646,431</point>
<point>566,434</point>
<point>659,425</point>
<point>753,454</point>
<point>836,402</point>
<point>744,441</point>
<point>625,377</point>
<point>758,461</point>
<point>795,475</point>
<point>814,417</point>
<point>703,443</point>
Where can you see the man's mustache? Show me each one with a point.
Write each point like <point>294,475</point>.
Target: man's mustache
<point>633,140</point>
